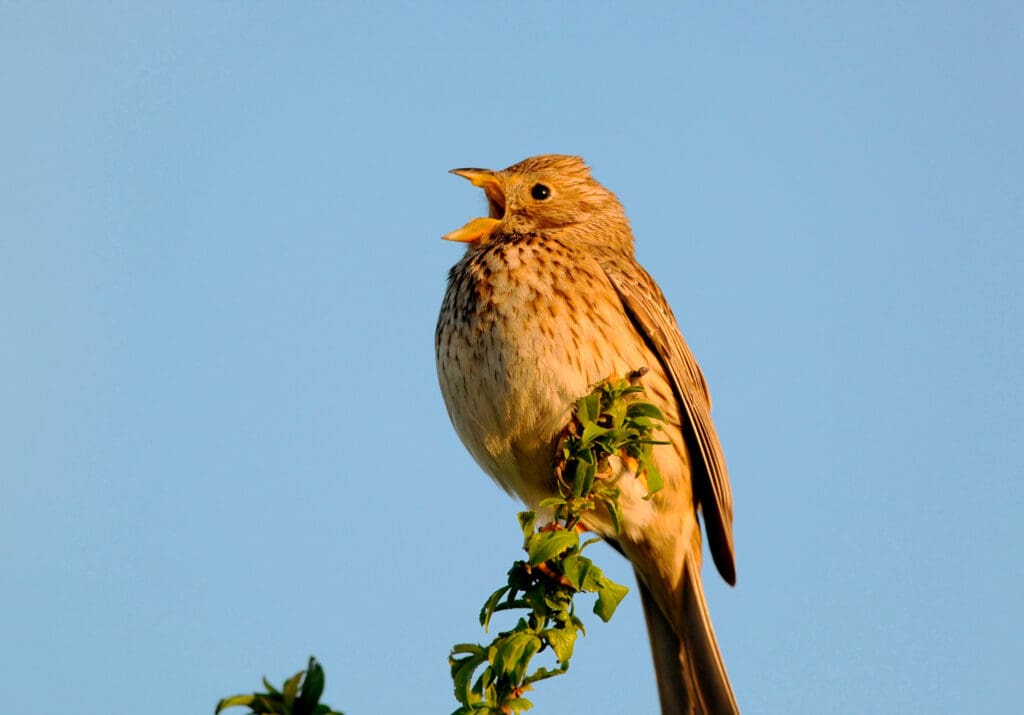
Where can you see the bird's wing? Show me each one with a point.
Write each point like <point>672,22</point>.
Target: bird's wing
<point>652,317</point>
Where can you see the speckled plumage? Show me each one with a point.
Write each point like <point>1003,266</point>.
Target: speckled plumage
<point>541,307</point>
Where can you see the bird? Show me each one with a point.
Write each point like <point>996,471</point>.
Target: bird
<point>547,301</point>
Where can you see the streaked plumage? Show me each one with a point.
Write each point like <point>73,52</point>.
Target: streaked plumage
<point>547,301</point>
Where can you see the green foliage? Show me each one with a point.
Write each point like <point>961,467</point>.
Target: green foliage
<point>300,695</point>
<point>609,422</point>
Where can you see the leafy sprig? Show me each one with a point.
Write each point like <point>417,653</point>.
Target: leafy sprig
<point>300,695</point>
<point>608,424</point>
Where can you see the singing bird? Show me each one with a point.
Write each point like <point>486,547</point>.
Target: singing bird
<point>547,301</point>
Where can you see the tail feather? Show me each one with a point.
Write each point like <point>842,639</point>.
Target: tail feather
<point>690,672</point>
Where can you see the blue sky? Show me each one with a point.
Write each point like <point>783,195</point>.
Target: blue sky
<point>222,445</point>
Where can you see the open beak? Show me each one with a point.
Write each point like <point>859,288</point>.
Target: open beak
<point>479,229</point>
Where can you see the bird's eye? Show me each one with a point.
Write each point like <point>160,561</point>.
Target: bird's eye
<point>540,192</point>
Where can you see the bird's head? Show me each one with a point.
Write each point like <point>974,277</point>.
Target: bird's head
<point>542,194</point>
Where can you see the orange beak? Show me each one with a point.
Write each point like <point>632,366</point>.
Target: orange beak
<point>477,230</point>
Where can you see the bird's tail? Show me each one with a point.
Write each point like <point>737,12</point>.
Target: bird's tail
<point>690,672</point>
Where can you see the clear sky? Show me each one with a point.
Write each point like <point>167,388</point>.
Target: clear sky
<point>222,444</point>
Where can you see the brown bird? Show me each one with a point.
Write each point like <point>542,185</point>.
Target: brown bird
<point>547,301</point>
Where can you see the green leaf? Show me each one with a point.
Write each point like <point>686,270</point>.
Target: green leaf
<point>644,410</point>
<point>234,700</point>
<point>545,673</point>
<point>615,512</point>
<point>617,412</point>
<point>588,408</point>
<point>583,478</point>
<point>562,641</point>
<point>312,687</point>
<point>463,670</point>
<point>534,600</point>
<point>591,430</point>
<point>291,689</point>
<point>516,705</point>
<point>468,649</point>
<point>527,519</point>
<point>512,655</point>
<point>608,599</point>
<point>488,610</point>
<point>549,544</point>
<point>268,703</point>
<point>571,568</point>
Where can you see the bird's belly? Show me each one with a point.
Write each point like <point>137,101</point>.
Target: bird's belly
<point>518,392</point>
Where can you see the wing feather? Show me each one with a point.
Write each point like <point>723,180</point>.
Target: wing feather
<point>649,311</point>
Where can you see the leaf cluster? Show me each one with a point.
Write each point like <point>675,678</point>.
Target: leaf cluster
<point>610,421</point>
<point>300,695</point>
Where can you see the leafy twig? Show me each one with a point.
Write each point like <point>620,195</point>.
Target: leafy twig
<point>300,695</point>
<point>609,422</point>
